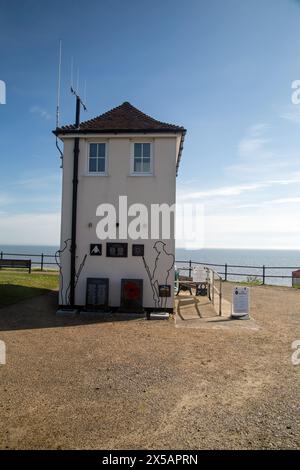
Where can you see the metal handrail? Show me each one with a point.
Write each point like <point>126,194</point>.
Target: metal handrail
<point>213,276</point>
<point>211,279</point>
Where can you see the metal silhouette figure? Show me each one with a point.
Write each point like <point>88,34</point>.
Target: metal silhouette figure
<point>58,257</point>
<point>66,296</point>
<point>163,265</point>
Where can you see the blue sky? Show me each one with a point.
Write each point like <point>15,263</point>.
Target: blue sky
<point>221,68</point>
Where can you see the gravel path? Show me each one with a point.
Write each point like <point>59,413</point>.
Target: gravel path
<point>138,384</point>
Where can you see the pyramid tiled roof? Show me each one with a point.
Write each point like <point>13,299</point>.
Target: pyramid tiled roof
<point>123,118</point>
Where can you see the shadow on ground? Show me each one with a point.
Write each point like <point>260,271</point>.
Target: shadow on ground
<point>11,294</point>
<point>40,312</point>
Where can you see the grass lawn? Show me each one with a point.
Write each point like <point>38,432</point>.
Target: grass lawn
<point>16,286</point>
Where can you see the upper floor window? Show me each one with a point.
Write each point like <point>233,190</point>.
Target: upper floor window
<point>142,158</point>
<point>97,158</point>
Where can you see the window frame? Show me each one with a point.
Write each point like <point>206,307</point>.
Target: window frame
<point>97,173</point>
<point>139,173</point>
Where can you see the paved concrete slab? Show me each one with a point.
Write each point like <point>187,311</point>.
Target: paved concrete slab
<point>198,312</point>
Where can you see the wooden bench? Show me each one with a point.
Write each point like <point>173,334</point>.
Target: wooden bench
<point>186,283</point>
<point>16,263</point>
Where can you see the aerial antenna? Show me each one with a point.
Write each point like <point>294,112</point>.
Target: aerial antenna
<point>75,91</point>
<point>79,101</point>
<point>84,92</point>
<point>58,85</point>
<point>58,100</point>
<point>72,67</point>
<point>77,82</point>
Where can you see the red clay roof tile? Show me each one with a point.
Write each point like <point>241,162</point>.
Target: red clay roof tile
<point>121,119</point>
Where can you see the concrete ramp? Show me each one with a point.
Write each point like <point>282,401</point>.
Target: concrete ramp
<point>198,312</point>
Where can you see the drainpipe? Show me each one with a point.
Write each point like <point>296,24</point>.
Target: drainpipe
<point>74,207</point>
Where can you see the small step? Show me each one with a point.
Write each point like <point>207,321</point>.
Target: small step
<point>158,316</point>
<point>95,313</point>
<point>67,312</point>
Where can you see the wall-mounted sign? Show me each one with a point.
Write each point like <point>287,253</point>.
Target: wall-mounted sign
<point>240,302</point>
<point>116,250</point>
<point>97,292</point>
<point>95,249</point>
<point>199,274</point>
<point>164,290</point>
<point>137,250</point>
<point>132,295</point>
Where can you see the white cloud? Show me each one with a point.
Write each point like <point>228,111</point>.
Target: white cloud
<point>5,199</point>
<point>41,112</point>
<point>237,190</point>
<point>258,129</point>
<point>261,210</point>
<point>254,141</point>
<point>292,114</point>
<point>256,230</point>
<point>38,181</point>
<point>36,190</point>
<point>271,202</point>
<point>223,191</point>
<point>30,229</point>
<point>257,156</point>
<point>266,229</point>
<point>248,146</point>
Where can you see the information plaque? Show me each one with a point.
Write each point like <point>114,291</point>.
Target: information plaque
<point>240,302</point>
<point>164,290</point>
<point>116,250</point>
<point>137,250</point>
<point>95,249</point>
<point>97,292</point>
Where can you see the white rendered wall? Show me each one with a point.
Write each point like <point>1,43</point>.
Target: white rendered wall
<point>94,190</point>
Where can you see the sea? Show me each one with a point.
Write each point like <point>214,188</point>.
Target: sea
<point>242,264</point>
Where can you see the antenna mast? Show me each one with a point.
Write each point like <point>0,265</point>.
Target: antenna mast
<point>79,103</point>
<point>58,101</point>
<point>58,85</point>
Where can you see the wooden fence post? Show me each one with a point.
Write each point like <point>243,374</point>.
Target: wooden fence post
<point>190,268</point>
<point>220,298</point>
<point>213,288</point>
<point>42,261</point>
<point>264,275</point>
<point>226,267</point>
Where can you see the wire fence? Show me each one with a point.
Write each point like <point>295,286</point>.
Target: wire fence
<point>42,261</point>
<point>232,272</point>
<point>228,272</point>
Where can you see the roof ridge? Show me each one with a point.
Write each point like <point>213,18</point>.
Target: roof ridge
<point>147,115</point>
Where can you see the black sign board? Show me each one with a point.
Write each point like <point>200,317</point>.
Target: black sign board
<point>137,250</point>
<point>164,290</point>
<point>97,292</point>
<point>116,250</point>
<point>95,249</point>
<point>132,295</point>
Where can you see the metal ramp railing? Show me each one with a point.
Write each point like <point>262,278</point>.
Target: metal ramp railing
<point>213,281</point>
